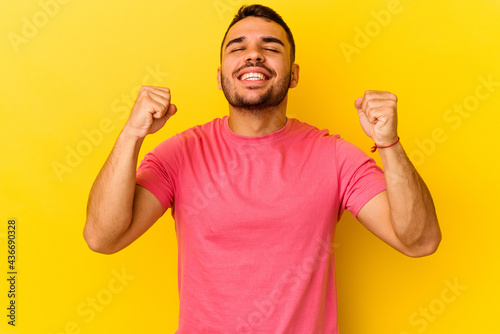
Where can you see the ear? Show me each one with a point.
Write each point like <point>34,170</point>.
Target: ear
<point>295,76</point>
<point>219,78</point>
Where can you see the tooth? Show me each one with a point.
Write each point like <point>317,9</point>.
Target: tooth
<point>253,76</point>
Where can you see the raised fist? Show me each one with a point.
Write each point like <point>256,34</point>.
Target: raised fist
<point>150,112</point>
<point>377,112</point>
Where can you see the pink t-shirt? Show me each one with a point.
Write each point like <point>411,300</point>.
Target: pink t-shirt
<point>255,220</point>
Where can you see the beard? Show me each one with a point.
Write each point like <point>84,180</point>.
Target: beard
<point>266,101</point>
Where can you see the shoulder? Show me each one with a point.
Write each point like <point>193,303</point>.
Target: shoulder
<point>311,133</point>
<point>193,134</point>
<point>306,129</point>
<point>173,148</point>
<point>200,131</point>
<point>342,149</point>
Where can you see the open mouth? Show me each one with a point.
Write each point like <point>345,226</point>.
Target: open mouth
<point>253,76</point>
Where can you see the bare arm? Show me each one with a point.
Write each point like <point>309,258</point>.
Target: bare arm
<point>403,216</point>
<point>118,210</point>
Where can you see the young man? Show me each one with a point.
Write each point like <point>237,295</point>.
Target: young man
<point>256,195</point>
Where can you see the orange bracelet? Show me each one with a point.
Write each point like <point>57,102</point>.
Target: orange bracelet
<point>374,147</point>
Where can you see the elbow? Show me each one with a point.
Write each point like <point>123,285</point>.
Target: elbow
<point>422,251</point>
<point>426,248</point>
<point>96,244</point>
<point>100,248</point>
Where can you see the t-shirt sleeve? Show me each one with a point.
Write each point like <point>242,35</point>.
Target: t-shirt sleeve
<point>158,170</point>
<point>359,177</point>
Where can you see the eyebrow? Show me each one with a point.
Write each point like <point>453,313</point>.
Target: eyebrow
<point>236,40</point>
<point>272,40</point>
<point>267,39</point>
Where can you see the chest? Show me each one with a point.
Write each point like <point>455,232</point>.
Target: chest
<point>269,190</point>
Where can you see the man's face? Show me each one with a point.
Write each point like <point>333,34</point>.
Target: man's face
<point>256,70</point>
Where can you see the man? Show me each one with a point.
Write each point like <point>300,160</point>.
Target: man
<point>256,196</point>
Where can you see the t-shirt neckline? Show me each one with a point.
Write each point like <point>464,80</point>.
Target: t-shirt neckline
<point>255,139</point>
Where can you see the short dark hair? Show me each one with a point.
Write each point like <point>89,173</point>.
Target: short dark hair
<point>264,12</point>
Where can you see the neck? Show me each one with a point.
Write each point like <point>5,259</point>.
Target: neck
<point>253,123</point>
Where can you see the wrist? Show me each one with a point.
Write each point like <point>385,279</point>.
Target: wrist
<point>129,133</point>
<point>130,138</point>
<point>385,145</point>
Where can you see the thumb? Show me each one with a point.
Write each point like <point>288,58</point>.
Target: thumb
<point>357,103</point>
<point>172,109</point>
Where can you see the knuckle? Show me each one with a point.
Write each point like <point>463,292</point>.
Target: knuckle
<point>143,93</point>
<point>369,103</point>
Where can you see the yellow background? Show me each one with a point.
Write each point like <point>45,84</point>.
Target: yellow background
<point>74,77</point>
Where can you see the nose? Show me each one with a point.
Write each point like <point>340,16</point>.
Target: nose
<point>255,54</point>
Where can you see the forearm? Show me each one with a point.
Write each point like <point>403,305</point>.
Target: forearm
<point>110,204</point>
<point>413,215</point>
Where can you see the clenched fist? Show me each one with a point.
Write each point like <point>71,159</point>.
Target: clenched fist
<point>377,112</point>
<point>150,112</point>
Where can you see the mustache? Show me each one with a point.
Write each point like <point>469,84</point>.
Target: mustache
<point>257,64</point>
